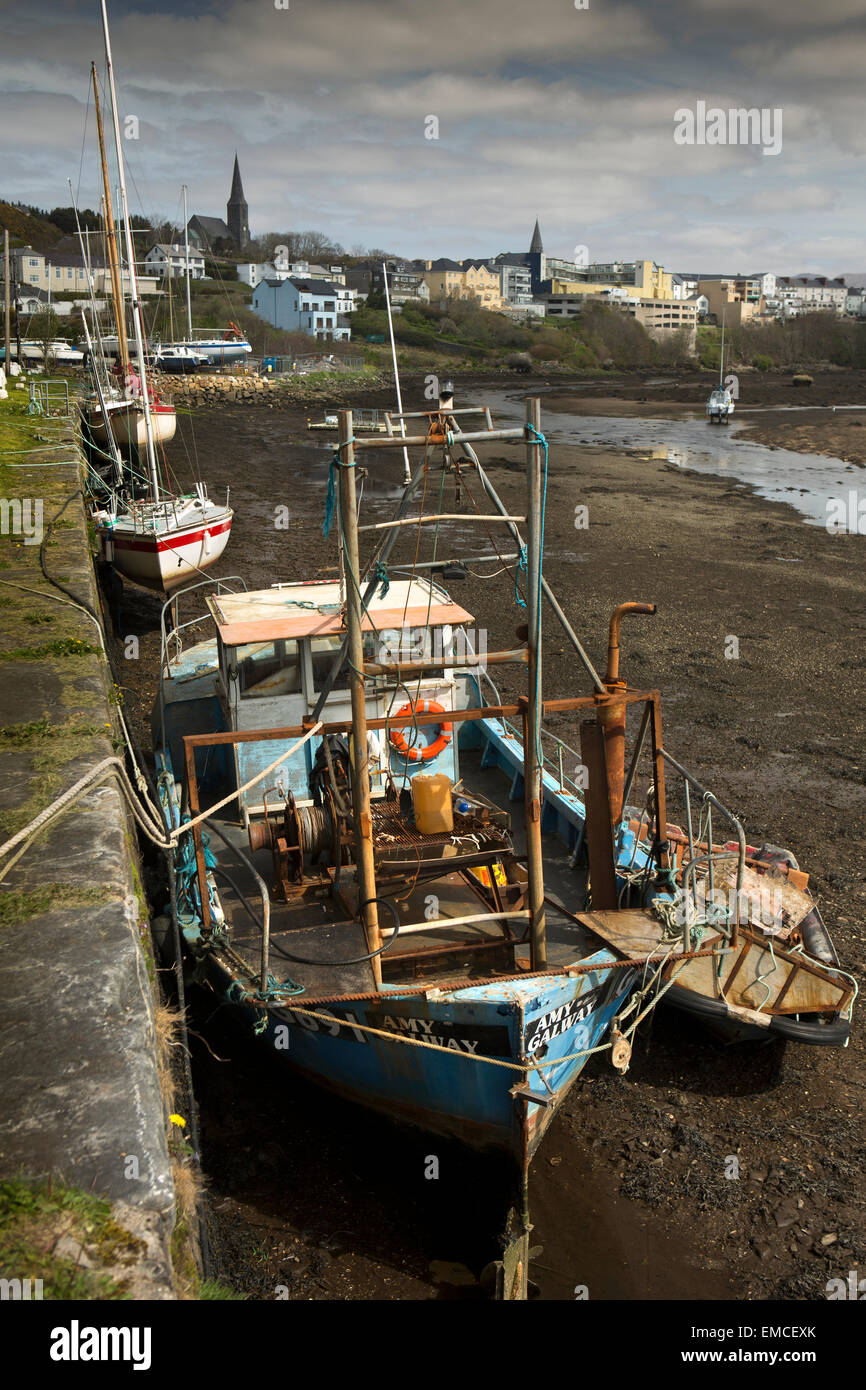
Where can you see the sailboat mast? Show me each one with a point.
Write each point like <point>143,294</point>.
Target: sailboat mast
<point>111,236</point>
<point>407,471</point>
<point>532,716</point>
<point>170,280</point>
<point>722,352</point>
<point>359,757</point>
<point>133,278</point>
<point>186,258</point>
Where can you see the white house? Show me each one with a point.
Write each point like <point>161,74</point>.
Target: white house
<point>164,260</point>
<point>315,307</point>
<point>251,272</point>
<point>855,302</point>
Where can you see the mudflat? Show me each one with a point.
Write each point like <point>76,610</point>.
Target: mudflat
<point>704,1172</point>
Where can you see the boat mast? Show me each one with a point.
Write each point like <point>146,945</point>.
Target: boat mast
<point>133,278</point>
<point>532,717</point>
<point>111,237</point>
<point>95,361</point>
<point>169,277</point>
<point>722,352</point>
<point>358,741</point>
<point>7,336</point>
<point>407,472</point>
<point>186,258</point>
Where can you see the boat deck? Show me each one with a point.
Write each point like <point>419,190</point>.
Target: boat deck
<point>318,927</point>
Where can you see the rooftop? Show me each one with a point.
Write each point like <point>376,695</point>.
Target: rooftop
<point>313,609</point>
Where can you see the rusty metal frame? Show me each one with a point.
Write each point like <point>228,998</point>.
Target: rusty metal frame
<point>234,736</point>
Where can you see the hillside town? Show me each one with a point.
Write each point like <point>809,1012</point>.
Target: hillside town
<point>528,287</point>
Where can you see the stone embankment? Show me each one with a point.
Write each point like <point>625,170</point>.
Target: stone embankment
<point>84,1099</point>
<point>217,388</point>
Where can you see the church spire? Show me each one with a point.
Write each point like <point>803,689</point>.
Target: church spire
<point>237,193</point>
<point>237,212</point>
<point>535,246</point>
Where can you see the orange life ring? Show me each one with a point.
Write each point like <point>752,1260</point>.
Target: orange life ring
<point>430,750</point>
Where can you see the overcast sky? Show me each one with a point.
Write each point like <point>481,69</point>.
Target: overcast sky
<point>544,110</point>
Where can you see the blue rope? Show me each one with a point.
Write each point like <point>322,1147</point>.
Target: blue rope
<point>382,574</point>
<point>331,499</point>
<point>521,566</point>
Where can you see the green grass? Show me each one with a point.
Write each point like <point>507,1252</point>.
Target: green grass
<point>21,904</point>
<point>63,646</point>
<point>212,1289</point>
<point>33,1219</point>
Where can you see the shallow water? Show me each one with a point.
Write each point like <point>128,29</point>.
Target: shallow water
<point>806,482</point>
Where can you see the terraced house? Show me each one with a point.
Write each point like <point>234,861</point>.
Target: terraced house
<point>470,279</point>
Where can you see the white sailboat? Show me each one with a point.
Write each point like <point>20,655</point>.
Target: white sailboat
<point>720,406</point>
<point>160,540</point>
<point>116,413</point>
<point>190,353</point>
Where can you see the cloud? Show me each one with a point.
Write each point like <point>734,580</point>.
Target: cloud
<point>544,110</point>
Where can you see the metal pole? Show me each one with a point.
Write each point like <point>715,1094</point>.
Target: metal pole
<point>358,741</point>
<point>186,255</point>
<point>407,472</point>
<point>372,585</point>
<point>7,336</point>
<point>545,587</point>
<point>532,782</point>
<point>111,238</point>
<point>133,276</point>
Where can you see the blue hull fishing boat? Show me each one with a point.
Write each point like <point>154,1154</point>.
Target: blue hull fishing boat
<point>329,760</point>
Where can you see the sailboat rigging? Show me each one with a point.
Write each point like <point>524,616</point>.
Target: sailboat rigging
<point>160,540</point>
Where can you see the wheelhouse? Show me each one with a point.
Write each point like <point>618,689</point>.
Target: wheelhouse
<point>272,655</point>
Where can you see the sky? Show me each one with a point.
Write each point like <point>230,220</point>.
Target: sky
<point>539,109</point>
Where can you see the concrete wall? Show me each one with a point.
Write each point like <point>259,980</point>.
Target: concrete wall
<point>80,1090</point>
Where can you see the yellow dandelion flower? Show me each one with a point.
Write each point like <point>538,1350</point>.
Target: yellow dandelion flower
<point>178,1120</point>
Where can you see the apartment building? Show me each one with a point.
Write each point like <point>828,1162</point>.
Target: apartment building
<point>805,294</point>
<point>660,317</point>
<point>405,283</point>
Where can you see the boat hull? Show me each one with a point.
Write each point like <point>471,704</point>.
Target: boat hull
<point>164,560</point>
<point>128,424</point>
<point>486,1039</point>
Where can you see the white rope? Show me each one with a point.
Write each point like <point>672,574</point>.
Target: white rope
<point>97,774</point>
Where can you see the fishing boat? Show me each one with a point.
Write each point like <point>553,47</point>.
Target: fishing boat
<point>156,538</point>
<point>123,414</point>
<point>414,959</point>
<point>363,889</point>
<point>231,346</point>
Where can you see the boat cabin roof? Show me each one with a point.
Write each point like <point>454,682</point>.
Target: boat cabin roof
<point>312,609</point>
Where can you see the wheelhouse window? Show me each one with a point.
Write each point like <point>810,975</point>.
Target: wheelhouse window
<point>323,651</point>
<point>266,669</point>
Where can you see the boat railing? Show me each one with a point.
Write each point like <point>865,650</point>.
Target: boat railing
<point>50,396</point>
<point>171,643</point>
<point>702,859</point>
<point>557,754</point>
